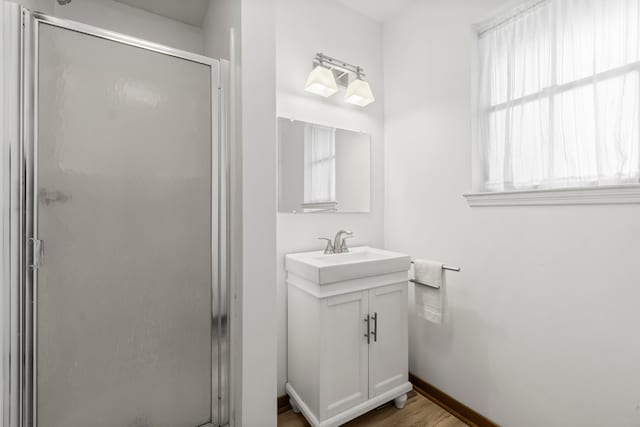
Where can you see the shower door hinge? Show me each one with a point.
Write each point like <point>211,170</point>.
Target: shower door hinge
<point>38,253</point>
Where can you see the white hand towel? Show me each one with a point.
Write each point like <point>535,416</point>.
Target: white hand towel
<point>430,302</point>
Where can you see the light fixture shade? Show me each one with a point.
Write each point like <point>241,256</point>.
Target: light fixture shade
<point>359,93</point>
<point>321,82</point>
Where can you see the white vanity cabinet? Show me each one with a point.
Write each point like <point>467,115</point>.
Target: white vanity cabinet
<point>347,344</point>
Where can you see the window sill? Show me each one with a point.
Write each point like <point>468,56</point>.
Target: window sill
<point>603,195</point>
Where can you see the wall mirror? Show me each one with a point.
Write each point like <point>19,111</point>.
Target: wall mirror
<point>322,169</point>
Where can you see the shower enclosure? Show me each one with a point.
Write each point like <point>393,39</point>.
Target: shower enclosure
<point>115,301</point>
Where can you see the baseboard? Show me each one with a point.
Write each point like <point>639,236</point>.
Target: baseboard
<point>450,404</point>
<point>283,404</point>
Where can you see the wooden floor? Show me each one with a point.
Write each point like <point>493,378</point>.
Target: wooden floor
<point>418,412</point>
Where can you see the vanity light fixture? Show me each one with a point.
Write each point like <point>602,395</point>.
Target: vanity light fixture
<point>359,92</point>
<point>321,82</point>
<point>329,73</point>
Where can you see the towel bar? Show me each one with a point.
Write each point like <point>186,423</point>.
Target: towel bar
<point>424,284</point>
<point>446,267</point>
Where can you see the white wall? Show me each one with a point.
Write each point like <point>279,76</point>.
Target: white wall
<point>45,6</point>
<point>305,27</point>
<point>119,17</point>
<point>221,17</point>
<point>258,69</point>
<point>544,316</point>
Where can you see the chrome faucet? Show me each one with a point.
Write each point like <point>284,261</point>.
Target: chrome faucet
<point>340,243</point>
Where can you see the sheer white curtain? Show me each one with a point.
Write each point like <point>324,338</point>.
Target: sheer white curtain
<point>319,164</point>
<point>559,95</point>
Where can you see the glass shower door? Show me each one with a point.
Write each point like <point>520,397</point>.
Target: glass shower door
<point>124,225</point>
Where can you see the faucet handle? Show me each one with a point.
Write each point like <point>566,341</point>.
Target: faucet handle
<point>344,247</point>
<point>329,249</point>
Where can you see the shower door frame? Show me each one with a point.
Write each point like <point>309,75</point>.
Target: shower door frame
<point>21,336</point>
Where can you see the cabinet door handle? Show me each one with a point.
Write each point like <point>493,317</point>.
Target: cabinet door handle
<point>375,327</point>
<point>367,321</point>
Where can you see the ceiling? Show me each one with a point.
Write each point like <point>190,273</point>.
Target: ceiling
<point>190,12</point>
<point>378,10</point>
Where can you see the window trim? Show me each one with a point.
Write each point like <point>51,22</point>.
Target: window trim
<point>596,195</point>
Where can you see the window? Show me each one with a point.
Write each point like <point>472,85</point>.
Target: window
<point>319,166</point>
<point>559,96</point>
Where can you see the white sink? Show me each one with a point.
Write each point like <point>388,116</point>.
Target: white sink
<point>364,261</point>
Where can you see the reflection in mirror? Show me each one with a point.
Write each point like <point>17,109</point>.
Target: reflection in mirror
<point>322,169</point>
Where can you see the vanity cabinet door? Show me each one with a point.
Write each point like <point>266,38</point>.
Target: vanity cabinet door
<point>388,351</point>
<point>344,353</point>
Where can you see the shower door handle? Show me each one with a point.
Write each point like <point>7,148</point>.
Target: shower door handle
<point>38,252</point>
